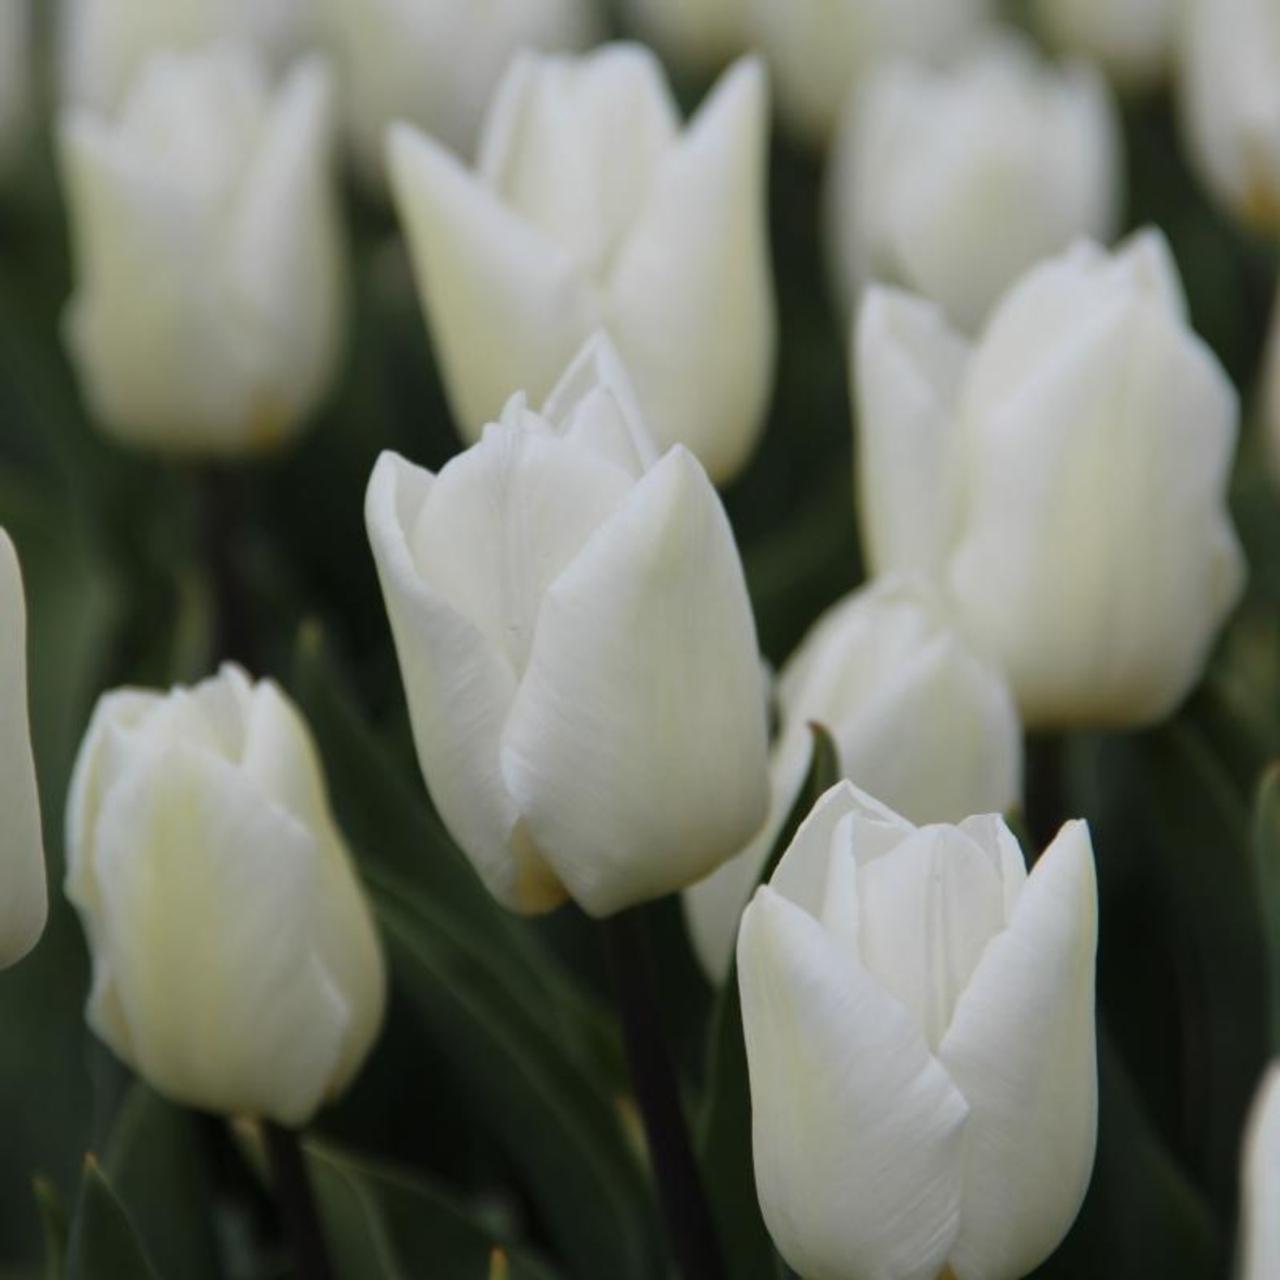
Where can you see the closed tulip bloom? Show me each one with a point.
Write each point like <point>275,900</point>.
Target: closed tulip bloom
<point>209,272</point>
<point>591,209</point>
<point>1133,40</point>
<point>1260,1203</point>
<point>235,962</point>
<point>925,157</point>
<point>919,1021</point>
<point>818,50</point>
<point>1229,91</point>
<point>696,35</point>
<point>16,54</point>
<point>435,63</point>
<point>105,44</point>
<point>23,895</point>
<point>577,649</point>
<point>918,718</point>
<point>1063,479</point>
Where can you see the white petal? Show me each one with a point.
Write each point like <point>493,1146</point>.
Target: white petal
<point>636,746</point>
<point>23,895</point>
<point>1260,1202</point>
<point>1021,1048</point>
<point>856,1129</point>
<point>507,308</point>
<point>908,365</point>
<point>690,300</point>
<point>459,690</point>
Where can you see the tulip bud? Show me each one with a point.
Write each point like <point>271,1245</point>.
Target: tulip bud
<point>105,44</point>
<point>208,308</point>
<point>917,718</point>
<point>819,49</point>
<point>1229,93</point>
<point>1260,1202</point>
<point>23,896</point>
<point>577,648</point>
<point>923,156</point>
<point>590,209</point>
<point>235,962</point>
<point>435,63</point>
<point>697,35</point>
<point>16,53</point>
<point>1133,40</point>
<point>1064,480</point>
<point>919,1022</point>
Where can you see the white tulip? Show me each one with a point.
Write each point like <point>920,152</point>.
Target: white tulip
<point>209,301</point>
<point>919,721</point>
<point>1260,1200</point>
<point>919,1021</point>
<point>1132,39</point>
<point>435,63</point>
<point>590,209</point>
<point>697,35</point>
<point>23,895</point>
<point>1230,104</point>
<point>1064,479</point>
<point>924,156</point>
<point>235,962</point>
<point>819,49</point>
<point>16,55</point>
<point>105,44</point>
<point>577,648</point>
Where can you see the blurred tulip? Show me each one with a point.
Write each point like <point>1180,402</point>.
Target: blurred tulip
<point>435,63</point>
<point>696,35</point>
<point>924,158</point>
<point>1133,40</point>
<point>1230,100</point>
<point>209,302</point>
<point>918,719</point>
<point>577,648</point>
<point>818,50</point>
<point>235,962</point>
<point>1064,479</point>
<point>919,1020</point>
<point>106,44</point>
<point>590,209</point>
<point>16,55</point>
<point>23,895</point>
<point>1260,1203</point>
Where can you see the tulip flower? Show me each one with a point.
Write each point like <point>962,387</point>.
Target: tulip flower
<point>696,35</point>
<point>435,63</point>
<point>209,297</point>
<point>919,1022</point>
<point>105,44</point>
<point>1260,1202</point>
<point>1229,92</point>
<point>924,156</point>
<point>818,50</point>
<point>23,896</point>
<point>918,718</point>
<point>577,648</point>
<point>1133,40</point>
<point>235,962</point>
<point>590,209</point>
<point>15,79</point>
<point>1063,480</point>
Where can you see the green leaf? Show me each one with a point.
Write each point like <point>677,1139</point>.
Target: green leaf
<point>1266,847</point>
<point>53,1218</point>
<point>103,1243</point>
<point>725,1123</point>
<point>382,1224</point>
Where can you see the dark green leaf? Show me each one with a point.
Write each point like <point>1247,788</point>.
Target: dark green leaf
<point>103,1244</point>
<point>53,1218</point>
<point>1266,844</point>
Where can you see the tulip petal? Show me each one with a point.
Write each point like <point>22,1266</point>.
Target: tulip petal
<point>23,893</point>
<point>1260,1201</point>
<point>636,746</point>
<point>908,365</point>
<point>857,1131</point>
<point>459,690</point>
<point>690,299</point>
<point>1021,1048</point>
<point>506,307</point>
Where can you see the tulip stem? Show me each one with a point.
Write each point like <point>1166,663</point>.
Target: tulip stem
<point>1046,788</point>
<point>233,637</point>
<point>680,1191</point>
<point>297,1204</point>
